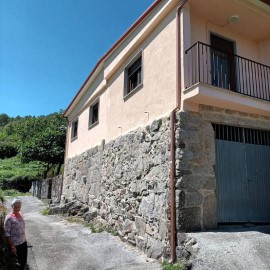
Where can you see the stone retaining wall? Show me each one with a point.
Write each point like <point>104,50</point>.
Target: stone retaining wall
<point>195,177</point>
<point>195,159</point>
<point>125,182</point>
<point>48,188</point>
<point>196,201</point>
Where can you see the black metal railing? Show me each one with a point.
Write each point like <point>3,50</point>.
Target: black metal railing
<point>213,66</point>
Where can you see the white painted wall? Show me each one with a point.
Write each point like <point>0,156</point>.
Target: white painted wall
<point>201,29</point>
<point>265,52</point>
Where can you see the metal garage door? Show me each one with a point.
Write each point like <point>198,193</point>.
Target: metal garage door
<point>243,174</point>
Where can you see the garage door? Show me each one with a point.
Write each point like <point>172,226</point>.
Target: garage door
<point>243,174</point>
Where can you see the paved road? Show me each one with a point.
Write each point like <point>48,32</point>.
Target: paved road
<point>59,245</point>
<point>233,248</point>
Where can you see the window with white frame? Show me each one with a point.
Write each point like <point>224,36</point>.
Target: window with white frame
<point>94,113</point>
<point>74,129</point>
<point>133,75</point>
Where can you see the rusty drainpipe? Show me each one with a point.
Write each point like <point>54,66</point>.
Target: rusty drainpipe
<point>172,135</point>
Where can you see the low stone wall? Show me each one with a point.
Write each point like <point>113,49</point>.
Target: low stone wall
<point>125,182</point>
<point>56,190</point>
<point>48,188</point>
<point>36,189</point>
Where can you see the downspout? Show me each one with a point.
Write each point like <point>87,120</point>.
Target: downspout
<point>172,134</point>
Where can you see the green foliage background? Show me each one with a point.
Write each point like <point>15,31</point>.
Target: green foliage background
<point>30,148</point>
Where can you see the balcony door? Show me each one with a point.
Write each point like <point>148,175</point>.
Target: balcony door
<point>222,63</point>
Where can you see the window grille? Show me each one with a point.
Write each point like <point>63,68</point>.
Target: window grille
<point>240,134</point>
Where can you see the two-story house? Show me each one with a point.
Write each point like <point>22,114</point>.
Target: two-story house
<point>170,132</point>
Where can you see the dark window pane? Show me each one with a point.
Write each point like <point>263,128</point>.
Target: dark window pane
<point>74,131</point>
<point>95,113</point>
<point>137,64</point>
<point>134,74</point>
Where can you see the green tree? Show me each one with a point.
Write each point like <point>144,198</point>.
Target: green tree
<point>38,139</point>
<point>43,139</point>
<point>4,118</point>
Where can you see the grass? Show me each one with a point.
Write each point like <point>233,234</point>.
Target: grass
<point>45,211</point>
<point>74,219</point>
<point>95,228</point>
<point>170,266</point>
<point>13,193</point>
<point>13,168</point>
<point>111,231</point>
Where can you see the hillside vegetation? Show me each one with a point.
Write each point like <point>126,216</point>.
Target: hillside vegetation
<point>31,148</point>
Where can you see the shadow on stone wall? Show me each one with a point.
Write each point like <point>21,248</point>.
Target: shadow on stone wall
<point>124,183</point>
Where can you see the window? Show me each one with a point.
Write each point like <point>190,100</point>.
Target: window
<point>93,113</point>
<point>133,75</point>
<point>74,129</point>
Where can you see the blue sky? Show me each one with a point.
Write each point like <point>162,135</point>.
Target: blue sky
<point>49,47</point>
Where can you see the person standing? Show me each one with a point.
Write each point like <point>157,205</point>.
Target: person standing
<point>14,228</point>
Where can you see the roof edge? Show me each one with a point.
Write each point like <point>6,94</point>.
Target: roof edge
<point>116,44</point>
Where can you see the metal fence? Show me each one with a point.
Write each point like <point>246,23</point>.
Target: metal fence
<point>210,65</point>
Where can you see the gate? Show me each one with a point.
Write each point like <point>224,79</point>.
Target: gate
<point>243,174</point>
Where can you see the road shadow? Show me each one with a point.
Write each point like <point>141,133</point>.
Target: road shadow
<point>265,228</point>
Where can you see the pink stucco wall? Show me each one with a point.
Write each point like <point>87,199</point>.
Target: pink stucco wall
<point>155,39</point>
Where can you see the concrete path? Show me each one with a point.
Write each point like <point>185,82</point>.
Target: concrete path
<point>56,244</point>
<point>233,248</point>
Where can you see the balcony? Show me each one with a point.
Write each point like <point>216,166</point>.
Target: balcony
<point>226,79</point>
